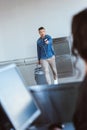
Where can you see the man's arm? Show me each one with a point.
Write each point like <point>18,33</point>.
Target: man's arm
<point>48,40</point>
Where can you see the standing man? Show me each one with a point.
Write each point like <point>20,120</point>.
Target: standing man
<point>46,55</point>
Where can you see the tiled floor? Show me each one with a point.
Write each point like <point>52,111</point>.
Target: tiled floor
<point>69,126</point>
<point>28,74</point>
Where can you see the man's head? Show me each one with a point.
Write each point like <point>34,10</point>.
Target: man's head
<point>42,31</point>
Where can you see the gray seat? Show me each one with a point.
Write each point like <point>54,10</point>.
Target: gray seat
<point>57,102</point>
<point>64,62</point>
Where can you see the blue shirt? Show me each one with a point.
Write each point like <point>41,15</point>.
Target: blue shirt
<point>44,50</point>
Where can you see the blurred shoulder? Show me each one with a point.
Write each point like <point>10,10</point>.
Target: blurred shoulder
<point>48,36</point>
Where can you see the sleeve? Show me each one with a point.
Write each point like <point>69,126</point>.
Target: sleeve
<point>50,39</point>
<point>38,52</point>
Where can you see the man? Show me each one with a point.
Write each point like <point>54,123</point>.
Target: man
<point>46,55</point>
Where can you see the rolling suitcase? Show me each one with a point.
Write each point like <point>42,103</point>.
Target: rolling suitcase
<point>39,75</point>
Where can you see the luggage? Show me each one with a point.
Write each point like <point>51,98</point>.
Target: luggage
<point>39,75</point>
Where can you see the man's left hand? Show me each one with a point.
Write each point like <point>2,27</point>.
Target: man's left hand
<point>46,41</point>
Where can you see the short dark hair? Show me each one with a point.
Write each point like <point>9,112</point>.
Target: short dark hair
<point>79,32</point>
<point>40,28</point>
<point>52,126</point>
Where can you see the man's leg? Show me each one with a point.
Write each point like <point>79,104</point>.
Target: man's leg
<point>45,66</point>
<point>52,64</point>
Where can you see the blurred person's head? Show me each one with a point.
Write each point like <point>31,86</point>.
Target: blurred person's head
<point>42,31</point>
<point>54,127</point>
<point>79,32</point>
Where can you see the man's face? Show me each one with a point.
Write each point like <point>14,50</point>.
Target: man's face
<point>42,32</point>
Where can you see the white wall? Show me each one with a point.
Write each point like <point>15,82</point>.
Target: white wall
<point>20,19</point>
